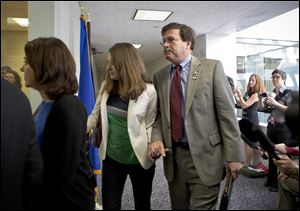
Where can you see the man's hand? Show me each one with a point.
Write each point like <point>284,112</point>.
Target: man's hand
<point>233,168</point>
<point>156,149</point>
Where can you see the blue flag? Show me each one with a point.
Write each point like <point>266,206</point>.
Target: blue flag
<point>86,88</point>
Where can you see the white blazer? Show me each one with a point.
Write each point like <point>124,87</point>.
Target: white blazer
<point>141,115</point>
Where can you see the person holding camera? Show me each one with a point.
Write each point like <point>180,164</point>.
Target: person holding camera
<point>277,129</point>
<point>249,104</point>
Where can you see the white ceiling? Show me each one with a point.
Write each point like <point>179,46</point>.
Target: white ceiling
<point>282,27</point>
<point>111,21</point>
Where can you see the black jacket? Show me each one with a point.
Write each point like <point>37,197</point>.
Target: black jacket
<point>67,176</point>
<point>21,162</point>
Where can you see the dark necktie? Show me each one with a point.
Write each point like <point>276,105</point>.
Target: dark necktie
<point>176,106</point>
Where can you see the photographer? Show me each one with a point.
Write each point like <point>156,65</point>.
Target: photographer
<point>277,129</point>
<point>249,104</point>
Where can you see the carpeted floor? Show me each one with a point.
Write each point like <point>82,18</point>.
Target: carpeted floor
<point>247,193</point>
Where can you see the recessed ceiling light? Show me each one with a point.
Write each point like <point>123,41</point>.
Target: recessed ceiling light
<point>137,46</point>
<point>23,22</point>
<point>151,15</point>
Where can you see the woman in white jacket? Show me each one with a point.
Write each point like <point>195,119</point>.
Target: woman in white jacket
<point>127,105</point>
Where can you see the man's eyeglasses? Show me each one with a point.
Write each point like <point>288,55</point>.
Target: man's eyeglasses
<point>275,77</point>
<point>169,40</point>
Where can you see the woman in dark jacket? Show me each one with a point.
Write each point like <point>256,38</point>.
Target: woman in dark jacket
<point>61,124</point>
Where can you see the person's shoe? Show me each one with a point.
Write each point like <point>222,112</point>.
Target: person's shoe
<point>274,188</point>
<point>252,172</point>
<point>260,165</point>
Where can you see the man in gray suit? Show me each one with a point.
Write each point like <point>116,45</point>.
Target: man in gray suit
<point>197,135</point>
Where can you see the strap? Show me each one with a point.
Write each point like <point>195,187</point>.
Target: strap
<point>281,95</point>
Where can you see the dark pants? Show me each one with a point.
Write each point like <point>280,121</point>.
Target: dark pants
<point>114,176</point>
<point>277,133</point>
<point>187,191</point>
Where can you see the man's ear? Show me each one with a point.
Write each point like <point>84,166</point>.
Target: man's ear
<point>188,44</point>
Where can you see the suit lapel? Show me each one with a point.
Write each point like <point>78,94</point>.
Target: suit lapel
<point>193,80</point>
<point>166,90</point>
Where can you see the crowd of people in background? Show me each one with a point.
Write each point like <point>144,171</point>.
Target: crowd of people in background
<point>187,116</point>
<point>284,136</point>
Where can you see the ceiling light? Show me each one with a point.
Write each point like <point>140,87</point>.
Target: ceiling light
<point>137,46</point>
<point>151,15</point>
<point>23,22</point>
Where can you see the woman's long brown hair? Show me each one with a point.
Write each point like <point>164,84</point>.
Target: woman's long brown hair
<point>132,71</point>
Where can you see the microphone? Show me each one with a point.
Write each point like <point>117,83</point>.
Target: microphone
<point>254,145</point>
<point>251,130</point>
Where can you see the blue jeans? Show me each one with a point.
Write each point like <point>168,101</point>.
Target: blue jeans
<point>114,176</point>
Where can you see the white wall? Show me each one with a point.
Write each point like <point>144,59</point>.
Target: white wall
<point>67,27</point>
<point>58,19</point>
<point>41,24</point>
<point>156,66</point>
<point>222,47</point>
<point>200,46</point>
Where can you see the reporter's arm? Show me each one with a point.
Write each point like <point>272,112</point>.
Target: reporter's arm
<point>287,166</point>
<point>248,102</point>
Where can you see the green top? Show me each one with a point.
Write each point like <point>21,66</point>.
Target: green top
<point>118,146</point>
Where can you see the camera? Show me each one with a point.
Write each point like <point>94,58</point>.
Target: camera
<point>268,94</point>
<point>264,94</point>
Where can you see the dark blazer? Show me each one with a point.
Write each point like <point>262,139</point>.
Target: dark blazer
<point>21,162</point>
<point>210,121</point>
<point>68,176</point>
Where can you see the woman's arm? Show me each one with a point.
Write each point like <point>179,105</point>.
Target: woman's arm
<point>94,116</point>
<point>151,111</point>
<point>249,101</point>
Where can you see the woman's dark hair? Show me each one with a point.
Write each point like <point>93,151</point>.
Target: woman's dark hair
<point>280,72</point>
<point>53,65</point>
<point>4,70</point>
<point>186,32</point>
<point>17,77</point>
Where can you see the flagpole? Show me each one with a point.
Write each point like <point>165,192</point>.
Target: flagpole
<point>88,22</point>
<point>88,25</point>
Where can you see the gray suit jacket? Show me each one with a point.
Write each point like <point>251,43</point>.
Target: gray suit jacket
<point>210,120</point>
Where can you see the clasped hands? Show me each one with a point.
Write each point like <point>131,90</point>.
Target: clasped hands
<point>156,149</point>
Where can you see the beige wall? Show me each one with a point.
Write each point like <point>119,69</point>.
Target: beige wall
<point>12,51</point>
